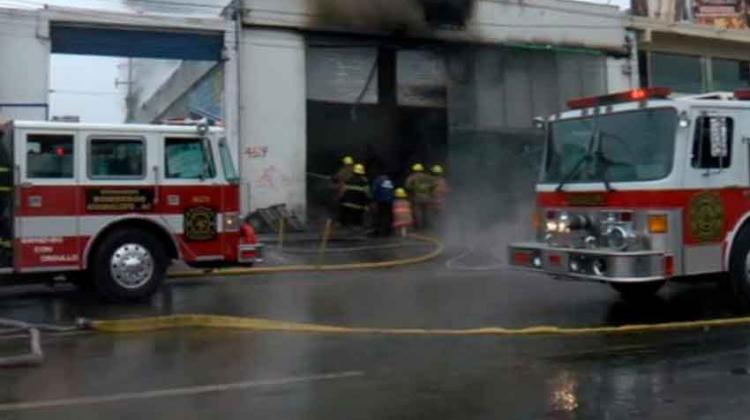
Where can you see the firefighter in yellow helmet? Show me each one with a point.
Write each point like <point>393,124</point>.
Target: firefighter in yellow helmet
<point>419,187</point>
<point>439,192</point>
<point>355,198</point>
<point>343,174</point>
<point>402,214</point>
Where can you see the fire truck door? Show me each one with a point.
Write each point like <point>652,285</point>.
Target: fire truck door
<point>717,156</point>
<point>47,201</point>
<point>191,189</point>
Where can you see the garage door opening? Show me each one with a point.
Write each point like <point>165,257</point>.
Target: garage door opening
<point>384,105</point>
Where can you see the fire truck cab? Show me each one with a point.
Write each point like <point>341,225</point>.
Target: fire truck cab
<point>114,205</point>
<point>640,187</point>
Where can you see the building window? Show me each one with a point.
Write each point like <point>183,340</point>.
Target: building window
<point>188,159</point>
<point>729,75</point>
<point>712,144</point>
<point>681,73</point>
<point>117,158</point>
<point>49,156</point>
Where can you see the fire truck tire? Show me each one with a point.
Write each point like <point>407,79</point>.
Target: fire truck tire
<point>739,266</point>
<point>634,292</point>
<point>128,265</point>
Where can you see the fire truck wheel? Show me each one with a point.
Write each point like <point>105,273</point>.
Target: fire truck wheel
<point>128,265</point>
<point>739,266</point>
<point>634,292</point>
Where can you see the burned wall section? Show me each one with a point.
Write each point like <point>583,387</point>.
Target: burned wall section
<point>494,153</point>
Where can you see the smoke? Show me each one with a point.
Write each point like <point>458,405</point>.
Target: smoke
<point>493,174</point>
<point>387,15</point>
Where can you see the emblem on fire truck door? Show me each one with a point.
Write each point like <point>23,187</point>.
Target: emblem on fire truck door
<point>200,224</point>
<point>706,216</point>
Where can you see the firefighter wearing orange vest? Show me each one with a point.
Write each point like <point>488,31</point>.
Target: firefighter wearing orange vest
<point>402,216</point>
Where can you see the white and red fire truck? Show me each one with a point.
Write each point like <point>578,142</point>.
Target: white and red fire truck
<point>113,205</point>
<point>640,187</point>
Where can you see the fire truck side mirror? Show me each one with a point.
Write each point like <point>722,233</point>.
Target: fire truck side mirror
<point>539,123</point>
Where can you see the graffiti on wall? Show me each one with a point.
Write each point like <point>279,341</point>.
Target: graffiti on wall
<point>256,152</point>
<point>271,177</point>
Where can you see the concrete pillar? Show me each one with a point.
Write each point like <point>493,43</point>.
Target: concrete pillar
<point>231,96</point>
<point>24,66</point>
<point>273,155</point>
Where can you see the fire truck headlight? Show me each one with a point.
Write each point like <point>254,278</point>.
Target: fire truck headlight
<point>537,262</point>
<point>551,226</point>
<point>619,237</point>
<point>231,222</point>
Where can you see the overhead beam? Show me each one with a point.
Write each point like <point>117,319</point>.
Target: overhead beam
<point>105,41</point>
<point>132,20</point>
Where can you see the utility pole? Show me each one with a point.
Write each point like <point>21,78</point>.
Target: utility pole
<point>129,97</point>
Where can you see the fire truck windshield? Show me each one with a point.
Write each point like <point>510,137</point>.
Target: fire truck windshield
<point>622,147</point>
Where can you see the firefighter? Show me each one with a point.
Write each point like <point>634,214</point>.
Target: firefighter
<point>419,188</point>
<point>339,179</point>
<point>382,194</point>
<point>439,192</point>
<point>402,215</point>
<point>343,175</point>
<point>355,198</point>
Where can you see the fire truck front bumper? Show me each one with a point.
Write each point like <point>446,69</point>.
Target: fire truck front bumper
<point>249,254</point>
<point>592,264</point>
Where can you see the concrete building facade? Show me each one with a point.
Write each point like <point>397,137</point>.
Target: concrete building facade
<point>393,82</point>
<point>24,69</point>
<point>299,83</point>
<point>691,58</point>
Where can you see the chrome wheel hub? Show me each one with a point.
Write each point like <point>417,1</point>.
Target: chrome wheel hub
<point>131,266</point>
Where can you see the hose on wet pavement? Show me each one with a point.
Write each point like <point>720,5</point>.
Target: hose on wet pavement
<point>140,325</point>
<point>35,355</point>
<point>436,252</point>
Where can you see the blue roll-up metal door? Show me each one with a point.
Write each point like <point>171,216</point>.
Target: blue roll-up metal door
<point>73,39</point>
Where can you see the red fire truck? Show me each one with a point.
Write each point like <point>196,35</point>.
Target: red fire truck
<point>640,187</point>
<point>113,205</point>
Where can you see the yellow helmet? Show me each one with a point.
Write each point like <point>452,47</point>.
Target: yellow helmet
<point>348,160</point>
<point>417,167</point>
<point>359,169</point>
<point>400,193</point>
<point>437,169</point>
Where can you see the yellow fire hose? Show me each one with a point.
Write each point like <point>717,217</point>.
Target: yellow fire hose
<point>439,247</point>
<point>269,325</point>
<point>135,325</point>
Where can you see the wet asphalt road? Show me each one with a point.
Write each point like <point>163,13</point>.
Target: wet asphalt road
<point>198,374</point>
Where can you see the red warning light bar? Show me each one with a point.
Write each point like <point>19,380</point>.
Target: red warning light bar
<point>619,97</point>
<point>742,94</point>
